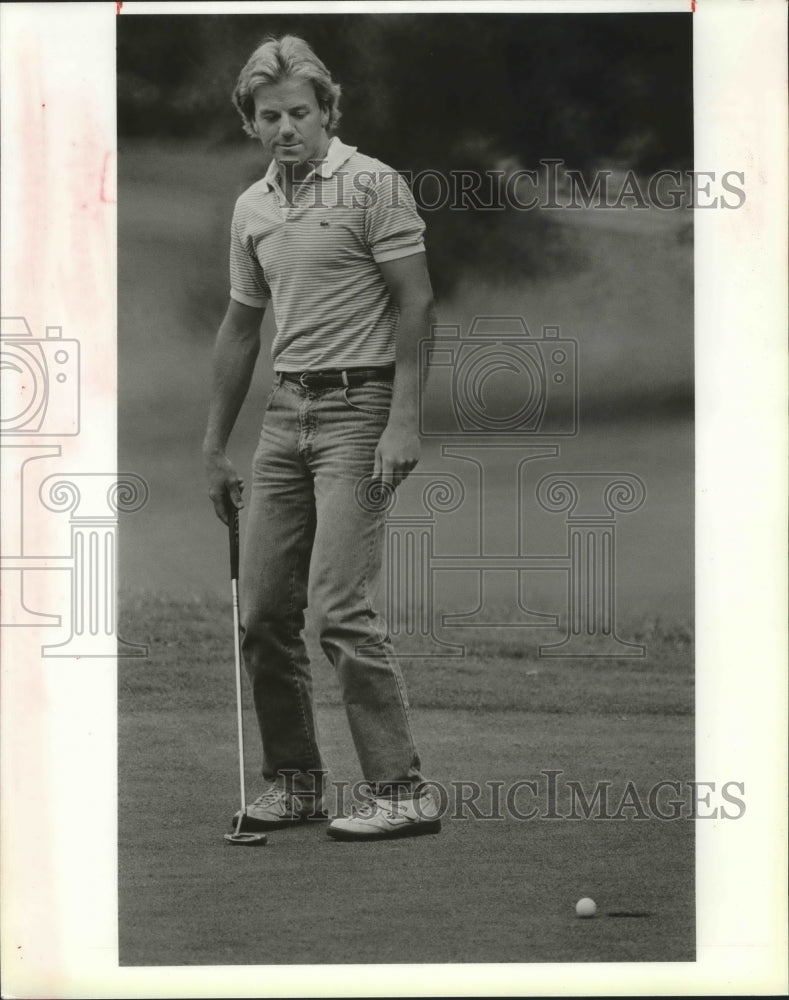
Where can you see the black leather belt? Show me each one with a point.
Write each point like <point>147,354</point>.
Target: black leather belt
<point>332,378</point>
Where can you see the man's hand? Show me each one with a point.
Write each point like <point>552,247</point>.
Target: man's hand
<point>235,352</point>
<point>396,455</point>
<point>224,486</point>
<point>399,447</point>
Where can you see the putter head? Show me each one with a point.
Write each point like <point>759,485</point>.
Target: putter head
<point>246,839</point>
<point>244,823</point>
<point>249,837</point>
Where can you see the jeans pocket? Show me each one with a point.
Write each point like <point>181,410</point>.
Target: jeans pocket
<point>370,397</point>
<point>274,390</point>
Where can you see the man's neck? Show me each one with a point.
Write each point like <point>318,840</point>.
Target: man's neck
<point>293,174</point>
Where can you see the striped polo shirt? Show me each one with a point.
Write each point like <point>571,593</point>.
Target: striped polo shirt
<point>317,259</point>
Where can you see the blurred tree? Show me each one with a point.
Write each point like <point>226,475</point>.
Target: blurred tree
<point>443,92</point>
<point>579,87</point>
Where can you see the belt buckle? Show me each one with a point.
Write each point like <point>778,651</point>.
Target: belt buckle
<point>306,375</point>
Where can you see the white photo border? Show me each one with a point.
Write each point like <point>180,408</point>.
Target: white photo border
<point>59,732</point>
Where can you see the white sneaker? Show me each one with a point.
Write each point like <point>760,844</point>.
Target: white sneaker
<point>384,819</point>
<point>277,807</point>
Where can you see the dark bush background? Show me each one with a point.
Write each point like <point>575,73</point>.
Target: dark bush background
<point>417,86</point>
<point>442,92</point>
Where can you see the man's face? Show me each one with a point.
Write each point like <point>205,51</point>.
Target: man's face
<point>290,125</point>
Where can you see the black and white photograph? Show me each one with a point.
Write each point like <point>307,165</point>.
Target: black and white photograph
<point>466,518</point>
<point>394,500</point>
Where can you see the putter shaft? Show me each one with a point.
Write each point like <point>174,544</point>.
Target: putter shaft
<point>234,569</point>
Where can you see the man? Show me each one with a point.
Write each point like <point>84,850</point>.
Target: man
<point>333,240</point>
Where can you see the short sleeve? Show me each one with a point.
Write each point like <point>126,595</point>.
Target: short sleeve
<point>247,284</point>
<point>393,227</point>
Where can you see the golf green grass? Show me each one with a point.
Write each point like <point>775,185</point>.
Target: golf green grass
<point>483,890</point>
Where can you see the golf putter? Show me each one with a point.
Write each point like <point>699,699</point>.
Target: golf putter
<point>237,837</point>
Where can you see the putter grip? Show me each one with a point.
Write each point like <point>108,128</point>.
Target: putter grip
<point>234,544</point>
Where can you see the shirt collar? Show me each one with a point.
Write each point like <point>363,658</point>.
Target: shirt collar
<point>336,154</point>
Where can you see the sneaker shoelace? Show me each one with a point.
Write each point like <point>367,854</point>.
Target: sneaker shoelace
<point>271,797</point>
<point>368,809</point>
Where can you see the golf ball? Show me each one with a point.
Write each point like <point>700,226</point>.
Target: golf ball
<point>585,907</point>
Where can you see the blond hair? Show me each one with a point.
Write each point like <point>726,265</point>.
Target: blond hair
<point>277,59</point>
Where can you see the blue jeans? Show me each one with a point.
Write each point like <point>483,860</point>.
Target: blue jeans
<point>305,521</point>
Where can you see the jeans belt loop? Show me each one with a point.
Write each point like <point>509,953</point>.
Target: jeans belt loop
<point>344,374</point>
